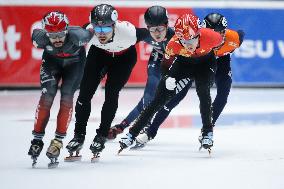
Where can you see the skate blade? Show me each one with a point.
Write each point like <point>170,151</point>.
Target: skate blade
<point>122,147</point>
<point>119,151</point>
<point>72,158</point>
<point>95,159</point>
<point>206,148</point>
<point>137,147</point>
<point>209,151</point>
<point>53,165</point>
<point>34,164</point>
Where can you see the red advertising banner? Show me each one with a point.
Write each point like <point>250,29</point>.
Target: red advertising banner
<point>20,61</point>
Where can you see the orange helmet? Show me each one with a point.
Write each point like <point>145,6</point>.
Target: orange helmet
<point>187,26</point>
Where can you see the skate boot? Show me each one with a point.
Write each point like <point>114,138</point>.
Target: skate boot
<point>126,141</point>
<point>75,145</point>
<point>206,140</point>
<point>145,129</point>
<point>141,141</point>
<point>114,131</point>
<point>53,152</point>
<point>35,149</point>
<point>97,147</point>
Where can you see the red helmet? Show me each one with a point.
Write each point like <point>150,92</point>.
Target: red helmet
<point>187,26</point>
<point>55,22</point>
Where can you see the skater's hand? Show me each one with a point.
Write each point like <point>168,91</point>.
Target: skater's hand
<point>114,131</point>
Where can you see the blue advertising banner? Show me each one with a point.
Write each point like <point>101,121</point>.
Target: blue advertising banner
<point>259,61</point>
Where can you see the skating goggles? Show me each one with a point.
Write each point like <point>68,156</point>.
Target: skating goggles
<point>189,41</point>
<point>54,35</point>
<point>103,29</point>
<point>156,28</point>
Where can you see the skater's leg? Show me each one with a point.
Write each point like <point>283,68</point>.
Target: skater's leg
<point>71,77</point>
<point>154,76</point>
<point>203,81</point>
<point>223,80</point>
<point>94,71</point>
<point>49,83</point>
<point>165,111</point>
<point>162,96</point>
<point>117,76</point>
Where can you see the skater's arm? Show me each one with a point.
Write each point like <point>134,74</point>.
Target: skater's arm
<point>241,36</point>
<point>80,36</point>
<point>166,64</point>
<point>170,57</point>
<point>39,38</point>
<point>142,34</point>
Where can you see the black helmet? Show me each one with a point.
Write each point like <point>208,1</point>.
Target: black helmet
<point>156,15</point>
<point>104,15</point>
<point>215,21</point>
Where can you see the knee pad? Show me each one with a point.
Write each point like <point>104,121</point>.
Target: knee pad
<point>46,100</point>
<point>170,83</point>
<point>66,99</point>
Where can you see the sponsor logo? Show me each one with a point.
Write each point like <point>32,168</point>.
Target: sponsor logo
<point>10,48</point>
<point>166,108</point>
<point>49,48</point>
<point>230,74</point>
<point>44,90</point>
<point>154,43</point>
<point>260,49</point>
<point>8,42</point>
<point>82,43</point>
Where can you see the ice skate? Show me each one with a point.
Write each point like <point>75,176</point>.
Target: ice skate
<point>114,131</point>
<point>125,142</point>
<point>53,152</point>
<point>75,145</point>
<point>35,149</point>
<point>206,141</point>
<point>96,147</point>
<point>145,129</point>
<point>141,141</point>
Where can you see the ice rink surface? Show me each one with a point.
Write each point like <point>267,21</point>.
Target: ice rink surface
<point>248,150</point>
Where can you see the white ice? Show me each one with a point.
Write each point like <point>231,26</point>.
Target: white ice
<point>248,151</point>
